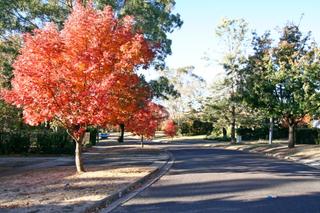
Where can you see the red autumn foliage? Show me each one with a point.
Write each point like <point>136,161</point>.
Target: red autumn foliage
<point>82,75</point>
<point>170,128</point>
<point>146,121</point>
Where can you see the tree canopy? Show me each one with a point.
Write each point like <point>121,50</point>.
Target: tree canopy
<point>82,75</point>
<point>283,79</point>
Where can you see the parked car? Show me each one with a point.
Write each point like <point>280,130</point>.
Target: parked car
<point>103,135</point>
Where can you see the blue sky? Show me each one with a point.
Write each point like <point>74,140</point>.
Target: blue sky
<point>202,16</point>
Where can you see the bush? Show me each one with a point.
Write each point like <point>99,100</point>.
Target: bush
<point>196,127</point>
<point>280,133</point>
<point>185,128</point>
<point>252,134</point>
<point>53,143</point>
<point>307,136</point>
<point>201,128</point>
<point>44,142</point>
<point>261,133</point>
<point>11,143</point>
<point>302,135</point>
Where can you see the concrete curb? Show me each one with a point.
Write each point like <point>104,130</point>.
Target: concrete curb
<point>121,196</point>
<point>313,164</point>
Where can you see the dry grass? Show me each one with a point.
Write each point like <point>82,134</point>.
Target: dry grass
<point>61,190</point>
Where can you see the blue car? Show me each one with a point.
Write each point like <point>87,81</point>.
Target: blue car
<point>103,135</point>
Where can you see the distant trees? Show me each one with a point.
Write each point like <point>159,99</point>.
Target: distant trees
<point>275,80</point>
<point>233,33</point>
<point>189,90</point>
<point>284,79</point>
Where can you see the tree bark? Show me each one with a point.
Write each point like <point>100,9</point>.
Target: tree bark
<point>78,158</point>
<point>224,133</point>
<point>142,141</point>
<point>233,125</point>
<point>121,137</point>
<point>271,131</point>
<point>291,139</point>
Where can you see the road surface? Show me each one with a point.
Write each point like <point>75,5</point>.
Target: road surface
<point>217,180</point>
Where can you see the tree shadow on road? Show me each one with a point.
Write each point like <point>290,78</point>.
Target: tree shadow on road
<point>308,203</point>
<point>220,161</point>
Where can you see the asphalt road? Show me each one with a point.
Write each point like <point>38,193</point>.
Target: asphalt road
<point>215,180</point>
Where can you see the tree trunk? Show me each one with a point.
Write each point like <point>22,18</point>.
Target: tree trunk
<point>78,159</point>
<point>142,141</point>
<point>233,125</point>
<point>121,137</point>
<point>271,131</point>
<point>291,139</point>
<point>224,133</point>
<point>98,134</point>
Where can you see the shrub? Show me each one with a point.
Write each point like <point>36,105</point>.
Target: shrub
<point>11,143</point>
<point>185,128</point>
<point>196,127</point>
<point>252,134</point>
<point>261,133</point>
<point>201,128</point>
<point>307,135</point>
<point>42,142</point>
<point>49,142</point>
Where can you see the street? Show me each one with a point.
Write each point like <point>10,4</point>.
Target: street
<point>216,180</point>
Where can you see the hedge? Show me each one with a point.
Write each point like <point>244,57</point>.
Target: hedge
<point>302,135</point>
<point>261,133</point>
<point>53,143</point>
<point>196,127</point>
<point>12,143</point>
<point>307,136</point>
<point>44,142</point>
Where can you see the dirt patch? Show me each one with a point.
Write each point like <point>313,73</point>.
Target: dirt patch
<point>61,190</point>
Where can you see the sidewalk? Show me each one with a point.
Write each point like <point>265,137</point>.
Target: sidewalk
<point>302,153</point>
<point>50,184</point>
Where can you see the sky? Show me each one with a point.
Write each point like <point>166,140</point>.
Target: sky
<point>196,37</point>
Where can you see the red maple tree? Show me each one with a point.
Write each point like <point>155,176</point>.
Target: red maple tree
<point>170,128</point>
<point>146,121</point>
<point>82,75</point>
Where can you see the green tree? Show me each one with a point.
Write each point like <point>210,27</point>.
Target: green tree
<point>162,89</point>
<point>256,86</point>
<point>234,38</point>
<point>218,109</point>
<point>285,81</point>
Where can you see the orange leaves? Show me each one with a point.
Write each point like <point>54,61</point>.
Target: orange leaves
<point>146,121</point>
<point>82,75</point>
<point>170,128</point>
